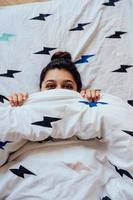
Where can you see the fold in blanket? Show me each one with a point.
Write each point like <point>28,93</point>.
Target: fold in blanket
<point>62,114</point>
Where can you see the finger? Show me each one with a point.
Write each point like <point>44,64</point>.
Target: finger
<point>10,98</point>
<point>20,99</point>
<point>82,93</point>
<point>98,95</point>
<point>15,99</point>
<point>88,95</point>
<point>93,95</point>
<point>25,96</point>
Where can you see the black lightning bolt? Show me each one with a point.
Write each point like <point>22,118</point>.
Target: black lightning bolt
<point>21,171</point>
<point>111,3</point>
<point>128,132</point>
<point>130,102</point>
<point>2,98</point>
<point>123,172</point>
<point>99,138</point>
<point>46,121</point>
<point>106,198</point>
<point>45,51</point>
<point>116,35</point>
<point>41,17</point>
<point>79,27</point>
<point>2,144</point>
<point>10,73</point>
<point>123,68</point>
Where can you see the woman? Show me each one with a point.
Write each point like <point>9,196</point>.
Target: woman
<point>60,73</point>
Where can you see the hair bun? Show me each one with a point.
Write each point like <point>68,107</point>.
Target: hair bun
<point>61,54</point>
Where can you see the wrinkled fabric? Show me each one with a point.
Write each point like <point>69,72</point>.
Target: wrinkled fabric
<point>90,144</point>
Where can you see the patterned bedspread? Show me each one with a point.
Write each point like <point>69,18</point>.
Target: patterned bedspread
<point>61,146</point>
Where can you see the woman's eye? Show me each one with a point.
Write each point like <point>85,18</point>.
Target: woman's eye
<point>50,87</point>
<point>69,87</point>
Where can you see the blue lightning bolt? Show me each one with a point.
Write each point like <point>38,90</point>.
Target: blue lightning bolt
<point>84,59</point>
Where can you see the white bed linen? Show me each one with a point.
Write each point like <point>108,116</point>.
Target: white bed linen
<point>71,169</point>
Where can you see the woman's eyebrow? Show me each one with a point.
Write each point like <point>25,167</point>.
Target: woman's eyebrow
<point>66,81</point>
<point>50,81</point>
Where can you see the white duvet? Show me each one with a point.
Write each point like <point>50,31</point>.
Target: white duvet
<point>60,146</point>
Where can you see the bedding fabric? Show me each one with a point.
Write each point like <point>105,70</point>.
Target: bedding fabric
<point>98,34</point>
<point>67,148</point>
<point>95,162</point>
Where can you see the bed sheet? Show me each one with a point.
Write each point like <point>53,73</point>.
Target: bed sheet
<point>99,35</point>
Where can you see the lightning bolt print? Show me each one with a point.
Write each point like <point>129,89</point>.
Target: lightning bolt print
<point>21,171</point>
<point>123,68</point>
<point>106,198</point>
<point>46,50</point>
<point>123,172</point>
<point>128,132</point>
<point>99,138</point>
<point>3,144</point>
<point>110,3</point>
<point>2,98</point>
<point>41,17</point>
<point>84,59</point>
<point>6,36</point>
<point>10,73</point>
<point>80,27</point>
<point>93,104</point>
<point>46,122</point>
<point>116,35</point>
<point>130,102</point>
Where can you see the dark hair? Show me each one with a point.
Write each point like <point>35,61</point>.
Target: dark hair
<point>62,60</point>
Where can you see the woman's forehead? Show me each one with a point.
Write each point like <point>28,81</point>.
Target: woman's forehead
<point>58,74</point>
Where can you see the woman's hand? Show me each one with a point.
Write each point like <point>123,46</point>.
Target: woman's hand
<point>18,99</point>
<point>91,95</point>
